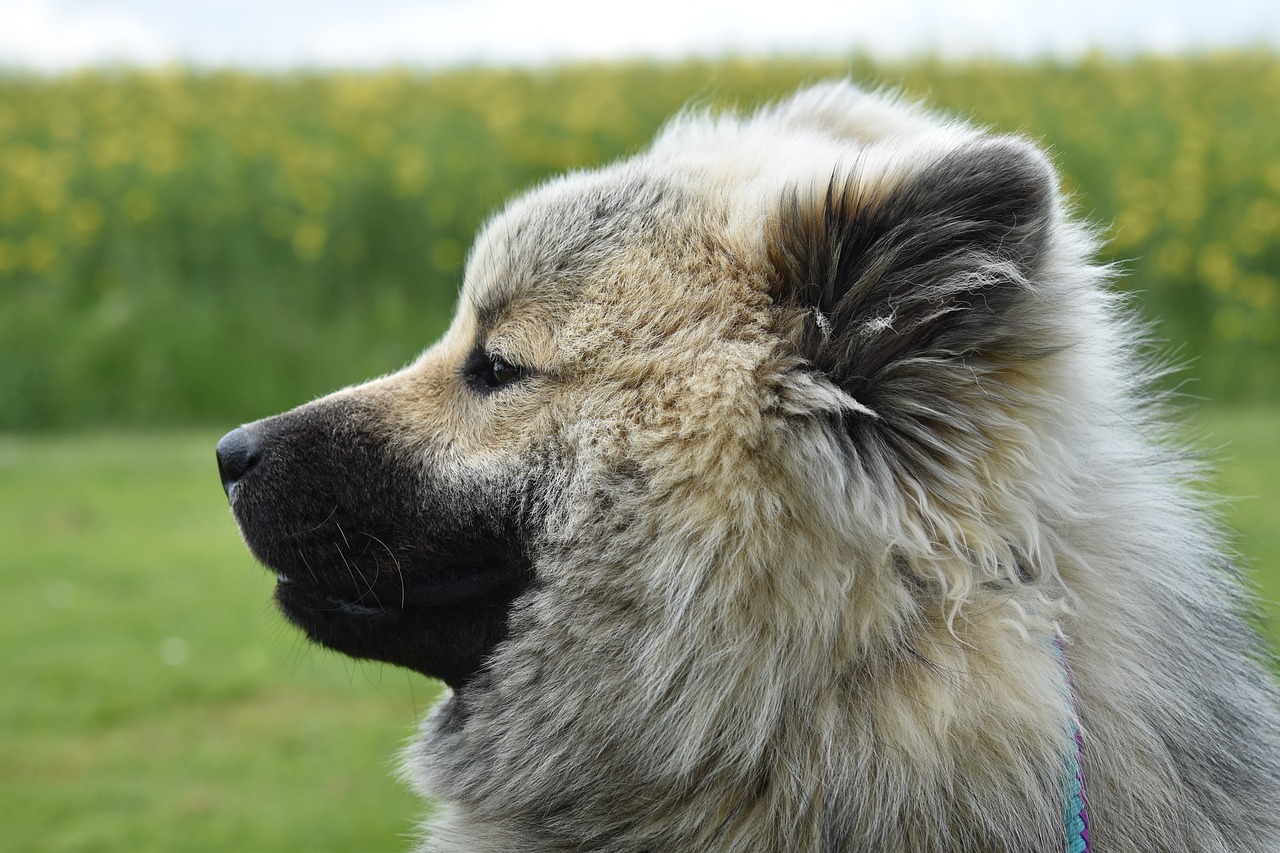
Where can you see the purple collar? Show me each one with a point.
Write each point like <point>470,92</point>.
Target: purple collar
<point>1075,799</point>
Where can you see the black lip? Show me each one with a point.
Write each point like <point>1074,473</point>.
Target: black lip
<point>446,635</point>
<point>474,585</point>
<point>412,607</point>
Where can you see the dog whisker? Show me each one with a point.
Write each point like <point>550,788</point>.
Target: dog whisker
<point>395,561</point>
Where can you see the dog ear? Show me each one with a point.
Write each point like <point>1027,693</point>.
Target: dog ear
<point>894,277</point>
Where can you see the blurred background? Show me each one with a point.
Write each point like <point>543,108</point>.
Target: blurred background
<point>213,211</point>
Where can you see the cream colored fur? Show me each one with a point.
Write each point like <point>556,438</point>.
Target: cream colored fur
<point>765,618</point>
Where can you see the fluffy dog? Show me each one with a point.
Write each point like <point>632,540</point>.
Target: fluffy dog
<point>789,486</point>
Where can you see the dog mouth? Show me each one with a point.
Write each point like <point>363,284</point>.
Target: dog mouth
<point>374,555</point>
<point>471,585</point>
<point>438,609</point>
<point>411,593</point>
<point>441,621</point>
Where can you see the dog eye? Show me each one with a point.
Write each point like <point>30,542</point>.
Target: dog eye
<point>488,372</point>
<point>501,372</point>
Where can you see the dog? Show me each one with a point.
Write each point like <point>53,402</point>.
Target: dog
<point>792,485</point>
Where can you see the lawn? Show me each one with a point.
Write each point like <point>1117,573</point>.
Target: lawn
<point>152,699</point>
<point>1245,444</point>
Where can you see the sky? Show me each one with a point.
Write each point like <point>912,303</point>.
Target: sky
<point>60,35</point>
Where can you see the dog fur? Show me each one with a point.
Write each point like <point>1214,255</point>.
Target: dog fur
<point>742,502</point>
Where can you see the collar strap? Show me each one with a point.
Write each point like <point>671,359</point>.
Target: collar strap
<point>1075,799</point>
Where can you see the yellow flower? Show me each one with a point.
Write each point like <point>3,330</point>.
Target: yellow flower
<point>1217,266</point>
<point>411,170</point>
<point>139,205</point>
<point>41,254</point>
<point>309,239</point>
<point>86,219</point>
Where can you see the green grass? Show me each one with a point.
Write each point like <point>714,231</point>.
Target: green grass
<point>152,699</point>
<point>1247,442</point>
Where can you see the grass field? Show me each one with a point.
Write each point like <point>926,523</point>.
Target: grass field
<point>152,700</point>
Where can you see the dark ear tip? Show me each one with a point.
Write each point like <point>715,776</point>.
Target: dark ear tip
<point>1007,182</point>
<point>1031,158</point>
<point>1011,164</point>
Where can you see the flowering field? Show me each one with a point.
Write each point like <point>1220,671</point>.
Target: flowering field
<point>206,248</point>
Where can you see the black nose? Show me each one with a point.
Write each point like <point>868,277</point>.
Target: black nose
<point>238,452</point>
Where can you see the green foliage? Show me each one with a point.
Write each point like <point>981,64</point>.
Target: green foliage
<point>184,247</point>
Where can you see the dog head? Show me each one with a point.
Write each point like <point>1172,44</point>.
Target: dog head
<point>812,337</point>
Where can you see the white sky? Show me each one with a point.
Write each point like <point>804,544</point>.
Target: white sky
<point>57,35</point>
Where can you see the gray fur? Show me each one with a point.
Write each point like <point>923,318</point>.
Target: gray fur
<point>1002,423</point>
<point>823,422</point>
